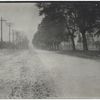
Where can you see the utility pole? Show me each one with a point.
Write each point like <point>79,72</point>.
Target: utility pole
<point>9,25</point>
<point>2,29</point>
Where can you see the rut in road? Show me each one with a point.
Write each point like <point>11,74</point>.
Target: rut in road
<point>25,77</point>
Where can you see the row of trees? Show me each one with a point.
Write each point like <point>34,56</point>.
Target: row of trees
<point>21,41</point>
<point>62,20</point>
<point>16,39</point>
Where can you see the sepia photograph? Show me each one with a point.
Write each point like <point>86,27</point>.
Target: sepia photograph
<point>49,49</point>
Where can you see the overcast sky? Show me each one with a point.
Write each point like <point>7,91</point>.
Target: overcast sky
<point>24,17</point>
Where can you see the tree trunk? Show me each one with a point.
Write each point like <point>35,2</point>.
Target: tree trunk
<point>73,43</point>
<point>85,46</point>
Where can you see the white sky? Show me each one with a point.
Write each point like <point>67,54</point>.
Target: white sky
<point>24,17</point>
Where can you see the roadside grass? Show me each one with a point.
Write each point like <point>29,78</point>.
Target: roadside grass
<point>90,54</point>
<point>39,89</point>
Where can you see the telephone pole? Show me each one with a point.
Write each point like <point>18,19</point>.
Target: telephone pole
<point>9,25</point>
<point>2,29</point>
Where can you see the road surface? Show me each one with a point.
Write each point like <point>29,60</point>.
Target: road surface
<point>44,74</point>
<point>75,77</point>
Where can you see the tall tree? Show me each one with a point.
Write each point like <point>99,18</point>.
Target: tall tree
<point>83,15</point>
<point>50,32</point>
<point>86,18</point>
<point>71,26</point>
<point>59,12</point>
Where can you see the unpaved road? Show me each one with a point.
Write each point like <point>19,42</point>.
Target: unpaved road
<point>75,77</point>
<point>22,75</point>
<point>44,74</point>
